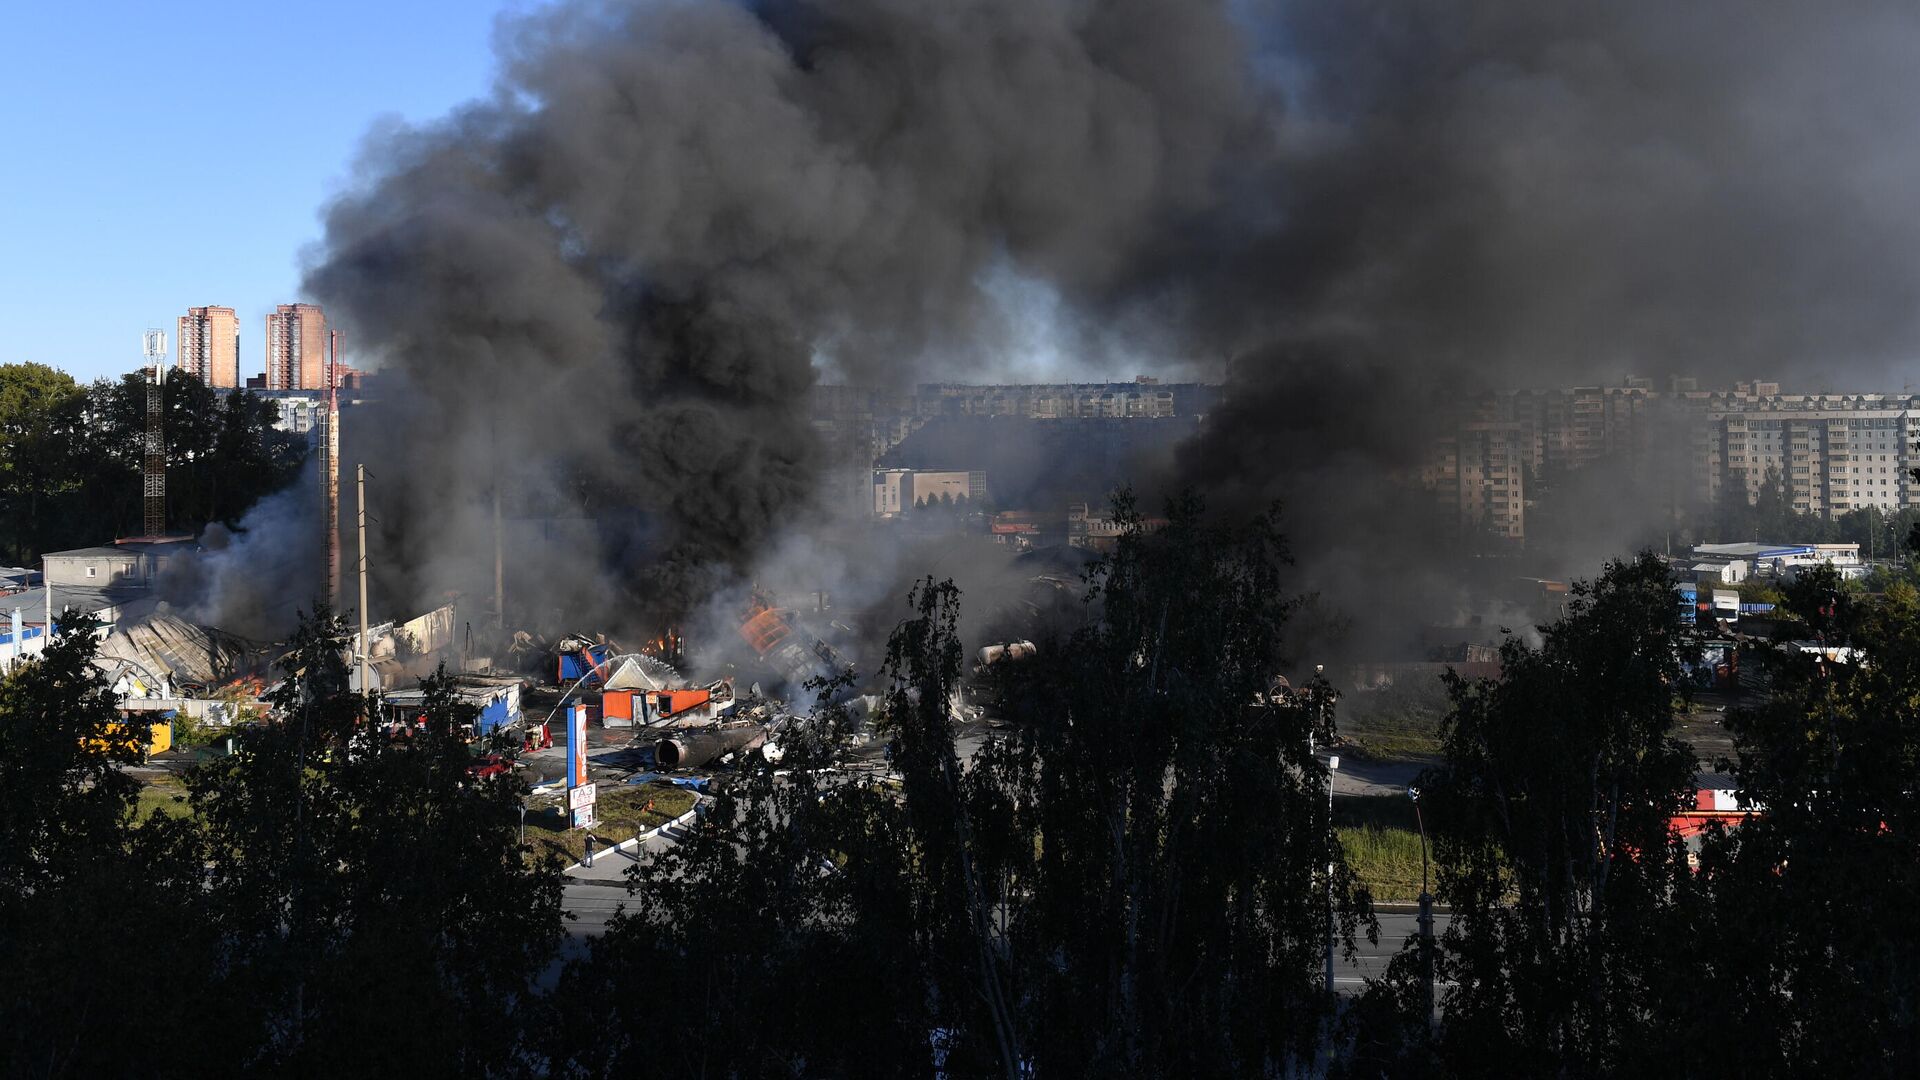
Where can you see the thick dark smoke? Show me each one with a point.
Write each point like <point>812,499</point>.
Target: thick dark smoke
<point>1471,196</point>
<point>609,287</point>
<point>1545,193</point>
<point>605,290</point>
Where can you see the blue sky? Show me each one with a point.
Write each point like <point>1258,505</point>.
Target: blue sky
<point>121,122</point>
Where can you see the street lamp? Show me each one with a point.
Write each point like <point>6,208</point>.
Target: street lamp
<point>1426,903</point>
<point>1333,766</point>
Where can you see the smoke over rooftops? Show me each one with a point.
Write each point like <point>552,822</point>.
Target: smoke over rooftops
<point>615,278</point>
<point>610,283</point>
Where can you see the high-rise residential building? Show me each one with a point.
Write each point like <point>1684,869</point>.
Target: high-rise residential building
<point>1828,454</point>
<point>297,348</point>
<point>209,342</point>
<point>1479,472</point>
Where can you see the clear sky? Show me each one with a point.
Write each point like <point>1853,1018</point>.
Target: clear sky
<point>156,156</point>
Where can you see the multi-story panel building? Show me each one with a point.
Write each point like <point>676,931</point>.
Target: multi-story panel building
<point>209,341</point>
<point>1145,397</point>
<point>1478,473</point>
<point>297,348</point>
<point>1830,454</point>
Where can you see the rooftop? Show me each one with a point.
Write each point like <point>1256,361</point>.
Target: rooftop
<point>122,547</point>
<point>85,600</point>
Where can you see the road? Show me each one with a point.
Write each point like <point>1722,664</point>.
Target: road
<point>1370,961</point>
<point>1365,776</point>
<point>592,895</point>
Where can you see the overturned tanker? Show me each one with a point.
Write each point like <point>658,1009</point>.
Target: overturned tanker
<point>788,646</point>
<point>692,749</point>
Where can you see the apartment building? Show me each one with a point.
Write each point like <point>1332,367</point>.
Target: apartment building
<point>1478,474</point>
<point>1832,454</point>
<point>209,343</point>
<point>297,348</point>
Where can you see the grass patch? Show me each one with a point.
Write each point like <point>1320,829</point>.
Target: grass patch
<point>1382,841</point>
<point>621,812</point>
<point>1388,860</point>
<point>1398,722</point>
<point>167,797</point>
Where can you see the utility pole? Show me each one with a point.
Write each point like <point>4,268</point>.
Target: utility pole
<point>154,476</point>
<point>500,569</point>
<point>330,469</point>
<point>366,683</point>
<point>1333,766</point>
<point>1426,907</point>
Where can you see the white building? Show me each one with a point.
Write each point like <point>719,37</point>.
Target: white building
<point>1832,453</point>
<point>1724,570</point>
<point>896,491</point>
<point>1785,560</point>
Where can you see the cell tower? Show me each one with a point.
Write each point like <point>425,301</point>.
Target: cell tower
<point>154,344</point>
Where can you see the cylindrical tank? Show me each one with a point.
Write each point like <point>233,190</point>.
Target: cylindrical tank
<point>692,749</point>
<point>1012,650</point>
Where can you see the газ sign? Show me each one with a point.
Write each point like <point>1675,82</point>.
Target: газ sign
<point>579,807</point>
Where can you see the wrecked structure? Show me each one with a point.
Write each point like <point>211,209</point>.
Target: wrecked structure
<point>692,749</point>
<point>796,654</point>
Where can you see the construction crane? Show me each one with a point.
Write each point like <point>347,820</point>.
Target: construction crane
<point>154,345</point>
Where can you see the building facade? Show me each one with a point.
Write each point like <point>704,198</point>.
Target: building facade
<point>1828,454</point>
<point>1478,473</point>
<point>1145,397</point>
<point>297,348</point>
<point>897,491</point>
<point>209,343</point>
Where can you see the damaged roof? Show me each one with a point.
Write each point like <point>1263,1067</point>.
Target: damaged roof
<point>187,652</point>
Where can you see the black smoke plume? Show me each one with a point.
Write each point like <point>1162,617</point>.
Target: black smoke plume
<point>607,289</point>
<point>604,291</point>
<point>1468,196</point>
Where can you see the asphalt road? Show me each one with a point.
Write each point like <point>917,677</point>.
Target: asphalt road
<point>593,902</point>
<point>1370,960</point>
<point>591,905</point>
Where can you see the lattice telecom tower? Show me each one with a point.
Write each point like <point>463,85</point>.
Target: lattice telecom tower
<point>154,344</point>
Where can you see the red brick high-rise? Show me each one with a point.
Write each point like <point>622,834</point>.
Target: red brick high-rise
<point>209,341</point>
<point>297,348</point>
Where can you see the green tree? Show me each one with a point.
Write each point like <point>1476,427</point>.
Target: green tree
<point>779,936</point>
<point>1133,878</point>
<point>368,898</point>
<point>1164,848</point>
<point>40,413</point>
<point>223,452</point>
<point>1818,597</point>
<point>83,887</point>
<point>1550,824</point>
<point>63,797</point>
<point>1816,953</point>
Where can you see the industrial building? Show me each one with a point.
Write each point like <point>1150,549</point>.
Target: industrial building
<point>1781,560</point>
<point>129,563</point>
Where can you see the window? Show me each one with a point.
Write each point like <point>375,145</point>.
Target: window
<point>93,571</point>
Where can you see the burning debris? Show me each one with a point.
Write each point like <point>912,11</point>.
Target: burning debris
<point>692,749</point>
<point>791,650</point>
<point>191,659</point>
